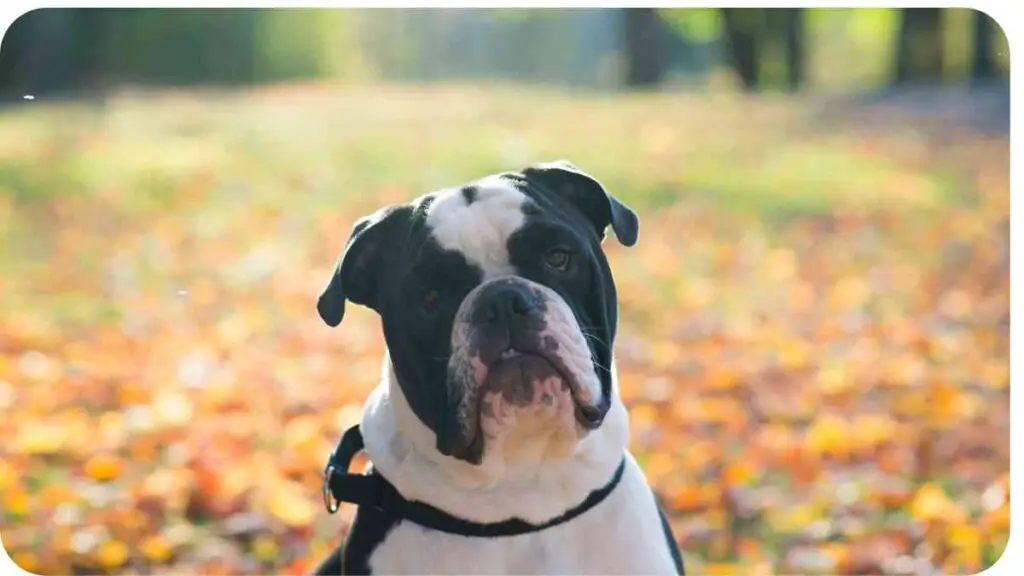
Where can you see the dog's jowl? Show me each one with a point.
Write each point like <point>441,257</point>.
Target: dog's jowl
<point>497,425</point>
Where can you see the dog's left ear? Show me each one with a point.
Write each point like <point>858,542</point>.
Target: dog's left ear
<point>589,196</point>
<point>358,270</point>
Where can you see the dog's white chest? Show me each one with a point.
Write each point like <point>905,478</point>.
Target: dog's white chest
<point>622,535</point>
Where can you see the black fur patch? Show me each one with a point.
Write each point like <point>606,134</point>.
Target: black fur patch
<point>586,286</point>
<point>423,290</point>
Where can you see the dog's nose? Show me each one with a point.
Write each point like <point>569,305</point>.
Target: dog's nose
<point>506,302</point>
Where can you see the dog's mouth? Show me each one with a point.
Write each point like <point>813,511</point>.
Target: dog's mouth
<point>511,374</point>
<point>587,415</point>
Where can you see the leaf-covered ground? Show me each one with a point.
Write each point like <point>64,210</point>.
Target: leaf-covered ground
<point>814,341</point>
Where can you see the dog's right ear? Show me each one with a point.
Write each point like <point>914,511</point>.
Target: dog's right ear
<point>357,274</point>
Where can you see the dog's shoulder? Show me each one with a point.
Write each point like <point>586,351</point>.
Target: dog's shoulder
<point>369,529</point>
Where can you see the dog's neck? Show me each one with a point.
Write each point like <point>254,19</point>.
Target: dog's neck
<point>537,489</point>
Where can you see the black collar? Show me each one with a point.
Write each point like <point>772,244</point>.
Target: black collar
<point>374,490</point>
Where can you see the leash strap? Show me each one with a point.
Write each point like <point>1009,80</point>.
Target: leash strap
<point>374,490</point>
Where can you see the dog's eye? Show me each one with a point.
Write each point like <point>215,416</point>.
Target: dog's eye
<point>430,300</point>
<point>558,258</point>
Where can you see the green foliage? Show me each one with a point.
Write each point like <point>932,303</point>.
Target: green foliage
<point>697,25</point>
<point>286,44</point>
<point>160,46</point>
<point>862,39</point>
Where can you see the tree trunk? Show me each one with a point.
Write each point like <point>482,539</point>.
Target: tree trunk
<point>919,50</point>
<point>645,47</point>
<point>88,50</point>
<point>983,61</point>
<point>794,40</point>
<point>37,56</point>
<point>742,45</point>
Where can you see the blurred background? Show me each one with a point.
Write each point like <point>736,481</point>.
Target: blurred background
<point>814,325</point>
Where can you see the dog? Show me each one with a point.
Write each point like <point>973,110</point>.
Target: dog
<point>496,432</point>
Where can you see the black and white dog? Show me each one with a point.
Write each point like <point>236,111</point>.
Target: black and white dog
<point>497,438</point>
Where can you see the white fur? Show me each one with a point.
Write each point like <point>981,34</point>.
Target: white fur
<point>622,535</point>
<point>479,231</point>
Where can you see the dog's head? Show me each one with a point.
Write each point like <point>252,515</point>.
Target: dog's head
<point>497,302</point>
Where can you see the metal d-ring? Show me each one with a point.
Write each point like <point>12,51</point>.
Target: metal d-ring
<point>329,502</point>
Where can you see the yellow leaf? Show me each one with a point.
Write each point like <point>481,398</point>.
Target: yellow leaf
<point>872,429</point>
<point>36,437</point>
<point>781,264</point>
<point>173,408</point>
<point>287,505</point>
<point>659,465</point>
<point>723,379</point>
<point>905,370</point>
<point>997,374</point>
<point>264,548</point>
<point>347,416</point>
<point>112,554</point>
<point>835,379</point>
<point>235,482</point>
<point>17,501</point>
<point>850,292</point>
<point>828,434</point>
<point>664,355</point>
<point>6,475</point>
<point>301,431</point>
<point>156,549</point>
<point>793,518</point>
<point>964,536</point>
<point>793,353</point>
<point>929,503</point>
<point>724,569</point>
<point>644,415</point>
<point>111,428</point>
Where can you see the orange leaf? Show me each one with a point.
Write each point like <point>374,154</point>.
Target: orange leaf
<point>27,561</point>
<point>739,472</point>
<point>104,467</point>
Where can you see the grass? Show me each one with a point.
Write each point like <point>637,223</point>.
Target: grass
<point>421,138</point>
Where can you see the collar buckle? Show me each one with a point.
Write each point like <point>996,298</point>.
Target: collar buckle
<point>330,503</point>
<point>340,459</point>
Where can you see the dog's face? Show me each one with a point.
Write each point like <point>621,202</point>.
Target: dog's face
<point>498,305</point>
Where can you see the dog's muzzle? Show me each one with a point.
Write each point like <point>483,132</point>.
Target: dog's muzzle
<point>509,340</point>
